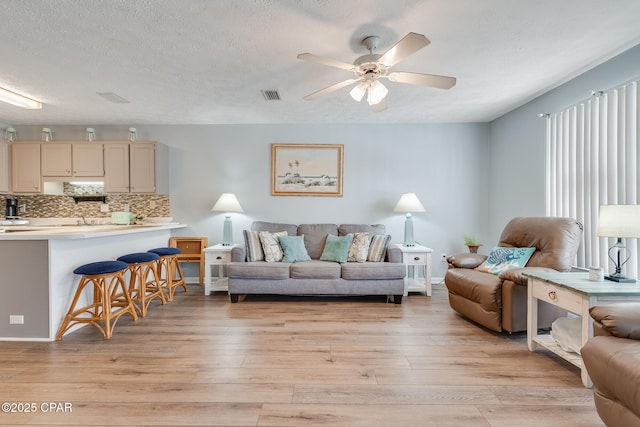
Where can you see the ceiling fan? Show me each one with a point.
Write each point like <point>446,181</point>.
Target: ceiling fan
<point>369,69</point>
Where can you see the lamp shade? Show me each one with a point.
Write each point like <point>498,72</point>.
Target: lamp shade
<point>227,203</point>
<point>619,221</point>
<point>409,202</point>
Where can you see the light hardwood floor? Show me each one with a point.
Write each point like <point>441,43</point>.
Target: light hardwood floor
<point>284,361</point>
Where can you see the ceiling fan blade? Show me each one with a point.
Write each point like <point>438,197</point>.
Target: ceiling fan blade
<point>329,89</point>
<point>325,61</point>
<point>431,80</point>
<point>380,106</point>
<point>410,44</point>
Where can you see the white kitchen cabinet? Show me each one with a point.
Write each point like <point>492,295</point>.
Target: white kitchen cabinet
<point>130,167</point>
<point>25,167</point>
<point>142,171</point>
<point>66,159</point>
<point>4,167</point>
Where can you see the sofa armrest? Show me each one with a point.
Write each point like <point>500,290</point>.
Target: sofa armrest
<point>621,319</point>
<point>466,260</point>
<point>516,275</point>
<point>238,254</point>
<point>394,255</point>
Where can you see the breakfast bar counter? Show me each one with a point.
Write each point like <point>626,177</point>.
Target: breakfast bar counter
<point>37,263</point>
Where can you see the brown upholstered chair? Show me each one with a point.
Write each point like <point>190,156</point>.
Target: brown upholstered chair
<point>500,302</point>
<point>611,358</point>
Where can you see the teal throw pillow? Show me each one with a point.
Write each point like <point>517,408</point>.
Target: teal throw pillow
<point>336,248</point>
<point>293,248</point>
<point>502,259</point>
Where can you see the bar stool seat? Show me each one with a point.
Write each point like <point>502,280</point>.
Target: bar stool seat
<point>169,270</point>
<point>143,288</point>
<point>109,291</point>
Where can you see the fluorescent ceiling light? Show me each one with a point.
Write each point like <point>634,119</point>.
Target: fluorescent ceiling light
<point>18,100</point>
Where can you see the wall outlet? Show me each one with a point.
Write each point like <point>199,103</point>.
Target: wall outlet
<point>104,207</point>
<point>152,204</point>
<point>444,257</point>
<point>16,319</point>
<point>22,208</point>
<point>125,207</point>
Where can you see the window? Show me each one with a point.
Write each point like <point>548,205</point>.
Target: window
<point>592,160</point>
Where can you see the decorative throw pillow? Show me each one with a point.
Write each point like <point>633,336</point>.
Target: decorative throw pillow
<point>378,247</point>
<point>271,245</point>
<point>253,245</point>
<point>336,248</point>
<point>501,259</point>
<point>293,248</point>
<point>359,248</point>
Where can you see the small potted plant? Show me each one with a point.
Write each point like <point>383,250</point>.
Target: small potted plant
<point>472,242</point>
<point>138,219</point>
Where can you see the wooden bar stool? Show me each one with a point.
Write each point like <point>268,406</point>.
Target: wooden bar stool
<point>109,292</point>
<point>144,283</point>
<point>169,270</point>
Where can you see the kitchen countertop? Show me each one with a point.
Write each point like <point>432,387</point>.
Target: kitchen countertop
<point>70,232</point>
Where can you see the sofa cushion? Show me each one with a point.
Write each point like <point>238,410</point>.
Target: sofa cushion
<point>315,236</point>
<point>291,229</point>
<point>345,229</point>
<point>336,248</point>
<point>271,245</point>
<point>359,248</point>
<point>315,269</point>
<point>293,248</point>
<point>253,245</point>
<point>259,270</point>
<point>378,247</point>
<point>372,270</point>
<point>502,259</point>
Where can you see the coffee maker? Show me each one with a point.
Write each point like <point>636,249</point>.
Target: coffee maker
<point>12,208</point>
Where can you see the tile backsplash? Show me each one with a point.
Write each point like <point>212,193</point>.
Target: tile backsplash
<point>63,206</point>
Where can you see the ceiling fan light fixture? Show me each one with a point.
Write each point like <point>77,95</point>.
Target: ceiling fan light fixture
<point>377,92</point>
<point>358,91</point>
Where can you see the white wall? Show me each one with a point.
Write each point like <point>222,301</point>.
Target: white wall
<point>516,175</point>
<point>445,164</point>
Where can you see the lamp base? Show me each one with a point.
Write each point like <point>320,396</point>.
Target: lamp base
<point>619,279</point>
<point>227,232</point>
<point>408,231</point>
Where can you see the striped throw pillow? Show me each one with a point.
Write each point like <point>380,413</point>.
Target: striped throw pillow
<point>253,245</point>
<point>378,247</point>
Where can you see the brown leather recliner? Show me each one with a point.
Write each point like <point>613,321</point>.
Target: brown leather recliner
<point>612,359</point>
<point>500,302</point>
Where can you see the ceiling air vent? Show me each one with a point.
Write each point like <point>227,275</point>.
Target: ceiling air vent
<point>112,97</point>
<point>271,95</point>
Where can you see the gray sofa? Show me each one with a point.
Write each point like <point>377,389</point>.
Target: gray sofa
<point>316,277</point>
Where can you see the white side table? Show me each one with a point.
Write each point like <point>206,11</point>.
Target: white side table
<point>416,256</point>
<point>219,255</point>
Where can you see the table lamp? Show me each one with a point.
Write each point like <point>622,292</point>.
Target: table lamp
<point>409,203</point>
<point>227,203</point>
<point>619,221</point>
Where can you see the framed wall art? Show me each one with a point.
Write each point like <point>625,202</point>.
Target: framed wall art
<point>306,169</point>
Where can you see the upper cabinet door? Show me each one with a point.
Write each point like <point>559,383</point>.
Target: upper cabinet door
<point>143,167</point>
<point>56,159</point>
<point>116,167</point>
<point>88,159</point>
<point>4,167</point>
<point>25,167</point>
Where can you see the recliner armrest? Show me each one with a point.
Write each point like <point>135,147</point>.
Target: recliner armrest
<point>466,260</point>
<point>621,319</point>
<point>516,275</point>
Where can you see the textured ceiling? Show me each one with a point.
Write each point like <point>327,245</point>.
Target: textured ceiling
<point>206,61</point>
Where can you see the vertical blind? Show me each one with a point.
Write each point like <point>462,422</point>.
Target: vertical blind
<point>592,159</point>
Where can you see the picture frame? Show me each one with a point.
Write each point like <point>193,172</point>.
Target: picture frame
<point>307,169</point>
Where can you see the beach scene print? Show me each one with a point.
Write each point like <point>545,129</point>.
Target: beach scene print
<point>307,170</point>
